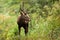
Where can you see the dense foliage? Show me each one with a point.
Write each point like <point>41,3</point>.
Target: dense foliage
<point>44,24</point>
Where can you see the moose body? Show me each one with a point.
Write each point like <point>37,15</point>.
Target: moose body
<point>23,21</point>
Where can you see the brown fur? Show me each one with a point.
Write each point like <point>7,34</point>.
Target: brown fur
<point>23,21</point>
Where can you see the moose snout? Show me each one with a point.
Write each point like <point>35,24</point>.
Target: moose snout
<point>29,19</point>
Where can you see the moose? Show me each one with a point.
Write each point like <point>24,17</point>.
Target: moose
<point>23,21</point>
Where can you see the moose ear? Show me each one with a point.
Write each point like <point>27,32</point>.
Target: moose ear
<point>22,13</point>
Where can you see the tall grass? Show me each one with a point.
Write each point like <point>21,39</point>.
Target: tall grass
<point>39,28</point>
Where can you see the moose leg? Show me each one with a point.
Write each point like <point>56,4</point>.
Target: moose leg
<point>19,27</point>
<point>26,29</point>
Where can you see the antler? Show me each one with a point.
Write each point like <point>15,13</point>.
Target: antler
<point>21,7</point>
